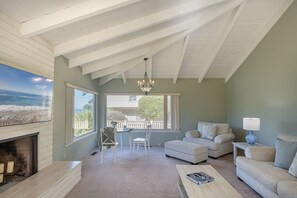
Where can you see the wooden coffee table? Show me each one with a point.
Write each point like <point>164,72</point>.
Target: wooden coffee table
<point>218,188</point>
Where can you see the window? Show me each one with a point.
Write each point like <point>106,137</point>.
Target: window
<point>83,116</point>
<point>80,112</point>
<point>154,110</point>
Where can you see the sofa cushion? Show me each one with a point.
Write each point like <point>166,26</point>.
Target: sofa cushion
<point>193,134</point>
<point>293,167</point>
<point>211,145</point>
<point>285,153</point>
<point>222,128</point>
<point>287,189</point>
<point>265,172</point>
<point>209,131</point>
<point>286,137</point>
<point>260,153</point>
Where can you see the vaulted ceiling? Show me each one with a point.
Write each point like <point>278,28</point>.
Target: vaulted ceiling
<point>182,39</point>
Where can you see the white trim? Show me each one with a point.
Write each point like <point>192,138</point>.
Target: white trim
<point>80,88</point>
<point>20,67</point>
<point>124,78</point>
<point>154,131</point>
<point>81,138</point>
<point>163,94</point>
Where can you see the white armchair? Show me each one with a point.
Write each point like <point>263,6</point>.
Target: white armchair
<point>218,137</point>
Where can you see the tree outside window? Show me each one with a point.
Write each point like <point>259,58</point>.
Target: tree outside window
<point>83,112</point>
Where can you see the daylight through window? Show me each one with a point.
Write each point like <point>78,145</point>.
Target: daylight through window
<point>80,112</point>
<point>138,111</point>
<point>83,116</point>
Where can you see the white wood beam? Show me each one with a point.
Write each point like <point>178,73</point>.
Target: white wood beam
<point>116,68</point>
<point>124,78</point>
<point>191,25</point>
<point>129,44</point>
<point>168,41</point>
<point>203,20</point>
<point>221,40</point>
<point>99,65</point>
<point>105,72</point>
<point>286,4</point>
<point>132,26</point>
<point>180,58</point>
<point>123,68</point>
<point>108,78</point>
<point>155,49</point>
<point>70,15</point>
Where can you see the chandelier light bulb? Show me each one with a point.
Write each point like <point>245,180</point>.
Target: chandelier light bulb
<point>145,85</point>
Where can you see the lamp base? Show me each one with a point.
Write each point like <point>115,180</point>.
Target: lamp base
<point>251,138</point>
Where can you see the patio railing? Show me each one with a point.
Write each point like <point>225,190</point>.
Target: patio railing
<point>137,124</point>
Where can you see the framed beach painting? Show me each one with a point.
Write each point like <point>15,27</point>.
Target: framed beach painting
<point>24,97</point>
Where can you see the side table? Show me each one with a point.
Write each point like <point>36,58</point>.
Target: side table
<point>243,146</point>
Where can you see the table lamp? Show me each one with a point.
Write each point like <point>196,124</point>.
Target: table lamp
<point>251,124</point>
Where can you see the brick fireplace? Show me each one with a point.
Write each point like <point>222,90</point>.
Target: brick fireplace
<point>18,159</point>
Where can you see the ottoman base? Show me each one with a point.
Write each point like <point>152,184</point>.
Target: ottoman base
<point>190,159</point>
<point>186,151</point>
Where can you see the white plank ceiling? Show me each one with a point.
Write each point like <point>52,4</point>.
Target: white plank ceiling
<point>183,39</point>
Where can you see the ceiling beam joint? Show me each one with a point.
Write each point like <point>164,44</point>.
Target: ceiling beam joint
<point>132,26</point>
<point>180,58</point>
<point>221,39</point>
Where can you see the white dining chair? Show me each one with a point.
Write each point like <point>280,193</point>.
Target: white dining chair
<point>107,139</point>
<point>145,141</point>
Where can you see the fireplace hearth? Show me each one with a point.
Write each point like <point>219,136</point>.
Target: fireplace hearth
<point>18,159</point>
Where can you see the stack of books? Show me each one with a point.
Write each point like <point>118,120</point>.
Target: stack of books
<point>199,178</point>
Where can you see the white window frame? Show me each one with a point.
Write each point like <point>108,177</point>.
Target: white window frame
<point>69,132</point>
<point>165,110</point>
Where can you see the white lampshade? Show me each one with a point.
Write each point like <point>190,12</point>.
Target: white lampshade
<point>252,124</point>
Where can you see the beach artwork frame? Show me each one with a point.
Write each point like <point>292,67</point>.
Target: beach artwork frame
<point>24,97</point>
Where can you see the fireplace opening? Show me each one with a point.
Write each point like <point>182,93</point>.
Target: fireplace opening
<point>18,160</point>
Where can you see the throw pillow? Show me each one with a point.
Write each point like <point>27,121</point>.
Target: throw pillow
<point>209,131</point>
<point>201,126</point>
<point>285,152</point>
<point>293,167</point>
<point>222,128</point>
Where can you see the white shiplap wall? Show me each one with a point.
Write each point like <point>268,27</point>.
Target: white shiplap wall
<point>33,55</point>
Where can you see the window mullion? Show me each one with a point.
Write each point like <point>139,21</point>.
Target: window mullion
<point>165,120</point>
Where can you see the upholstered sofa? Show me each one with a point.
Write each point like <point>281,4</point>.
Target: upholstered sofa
<point>218,138</point>
<point>257,169</point>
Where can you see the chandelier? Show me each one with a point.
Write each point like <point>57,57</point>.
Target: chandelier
<point>145,85</point>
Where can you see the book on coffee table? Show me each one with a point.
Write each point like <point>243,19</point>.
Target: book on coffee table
<point>199,178</point>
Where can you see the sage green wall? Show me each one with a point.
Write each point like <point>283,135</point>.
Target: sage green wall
<point>198,102</point>
<point>265,85</point>
<point>74,76</point>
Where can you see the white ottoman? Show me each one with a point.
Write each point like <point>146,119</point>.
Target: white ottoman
<point>187,151</point>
